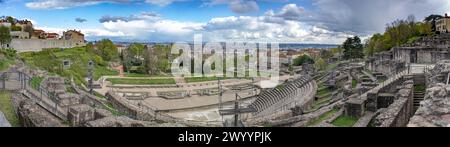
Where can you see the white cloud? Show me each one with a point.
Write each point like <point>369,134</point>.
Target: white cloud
<point>369,16</point>
<point>330,21</point>
<point>63,4</point>
<point>237,6</point>
<point>161,2</point>
<point>236,28</point>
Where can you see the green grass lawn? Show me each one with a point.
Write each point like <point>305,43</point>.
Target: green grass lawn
<point>113,110</point>
<point>354,83</point>
<point>345,121</point>
<point>51,60</point>
<point>323,92</point>
<point>103,71</point>
<point>36,82</point>
<point>420,88</point>
<point>323,117</point>
<point>320,102</point>
<point>142,81</point>
<point>143,75</point>
<point>7,108</point>
<point>202,79</point>
<point>5,63</point>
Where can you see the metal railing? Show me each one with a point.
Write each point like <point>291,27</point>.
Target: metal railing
<point>37,93</point>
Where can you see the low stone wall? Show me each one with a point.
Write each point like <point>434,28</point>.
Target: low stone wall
<point>88,98</point>
<point>120,105</point>
<point>32,115</point>
<point>138,111</point>
<point>398,113</point>
<point>24,45</point>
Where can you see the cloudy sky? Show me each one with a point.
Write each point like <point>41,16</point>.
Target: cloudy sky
<point>301,21</point>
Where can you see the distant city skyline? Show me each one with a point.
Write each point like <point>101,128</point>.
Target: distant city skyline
<point>289,21</point>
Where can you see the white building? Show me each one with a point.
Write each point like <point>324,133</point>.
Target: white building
<point>6,24</point>
<point>20,35</point>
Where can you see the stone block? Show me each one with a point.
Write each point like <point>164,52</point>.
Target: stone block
<point>384,100</point>
<point>79,114</point>
<point>354,107</point>
<point>102,113</point>
<point>372,104</point>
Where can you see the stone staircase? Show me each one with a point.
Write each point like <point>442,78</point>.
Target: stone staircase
<point>418,97</point>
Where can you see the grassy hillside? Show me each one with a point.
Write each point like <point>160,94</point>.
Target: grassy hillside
<point>7,58</point>
<point>51,60</point>
<point>7,108</point>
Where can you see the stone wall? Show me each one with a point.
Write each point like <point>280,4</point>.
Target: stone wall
<point>387,62</point>
<point>137,111</point>
<point>32,115</point>
<point>120,105</point>
<point>435,109</point>
<point>399,112</point>
<point>24,45</point>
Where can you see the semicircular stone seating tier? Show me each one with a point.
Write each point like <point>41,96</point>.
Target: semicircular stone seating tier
<point>295,92</point>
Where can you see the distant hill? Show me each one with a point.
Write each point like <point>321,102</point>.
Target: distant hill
<point>306,46</point>
<point>283,46</point>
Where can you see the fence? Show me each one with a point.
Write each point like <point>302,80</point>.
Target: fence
<point>387,82</point>
<point>36,92</point>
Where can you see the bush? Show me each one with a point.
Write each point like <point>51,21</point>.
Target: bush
<point>10,53</point>
<point>305,59</point>
<point>16,28</point>
<point>99,60</point>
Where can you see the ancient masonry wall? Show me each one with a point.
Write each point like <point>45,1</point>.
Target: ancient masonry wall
<point>398,113</point>
<point>138,111</point>
<point>24,45</point>
<point>120,105</point>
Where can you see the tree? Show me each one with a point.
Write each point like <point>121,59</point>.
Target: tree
<point>107,50</point>
<point>337,50</point>
<point>150,61</point>
<point>320,64</point>
<point>326,53</point>
<point>132,56</point>
<point>136,49</point>
<point>305,59</point>
<point>16,28</point>
<point>353,49</point>
<point>5,36</point>
<point>90,47</point>
<point>10,20</point>
<point>372,44</point>
<point>433,17</point>
<point>400,32</point>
